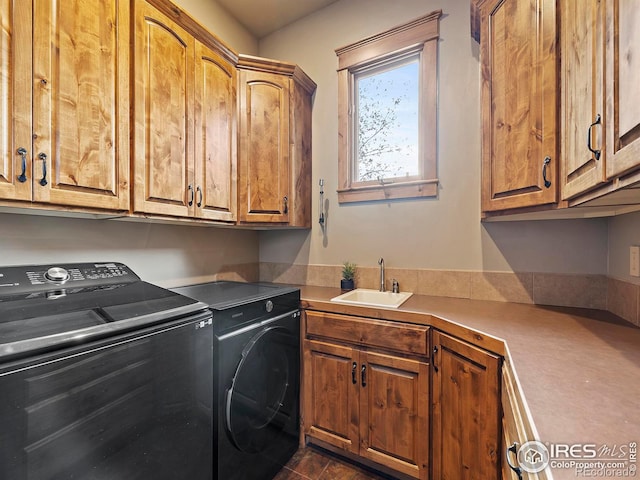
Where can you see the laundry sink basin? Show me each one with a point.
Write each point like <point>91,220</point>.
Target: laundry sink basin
<point>372,298</point>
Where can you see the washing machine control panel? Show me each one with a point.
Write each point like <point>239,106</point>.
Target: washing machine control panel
<point>21,279</point>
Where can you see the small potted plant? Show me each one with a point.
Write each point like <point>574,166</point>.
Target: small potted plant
<point>348,274</point>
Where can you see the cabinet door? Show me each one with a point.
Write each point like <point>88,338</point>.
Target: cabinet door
<point>81,103</point>
<point>331,383</point>
<point>518,60</point>
<point>264,147</point>
<point>163,145</point>
<point>15,92</point>
<point>623,95</point>
<point>465,411</point>
<point>394,413</point>
<point>215,135</point>
<point>582,95</point>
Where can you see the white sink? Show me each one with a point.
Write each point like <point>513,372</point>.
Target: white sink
<point>373,298</point>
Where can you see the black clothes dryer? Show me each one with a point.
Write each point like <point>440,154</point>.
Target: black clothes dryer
<point>256,351</point>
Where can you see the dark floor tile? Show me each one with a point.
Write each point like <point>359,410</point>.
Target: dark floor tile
<point>338,471</point>
<point>344,470</point>
<point>309,463</point>
<point>286,474</point>
<point>364,475</point>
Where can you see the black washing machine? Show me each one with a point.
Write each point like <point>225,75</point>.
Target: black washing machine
<point>102,376</point>
<point>256,384</point>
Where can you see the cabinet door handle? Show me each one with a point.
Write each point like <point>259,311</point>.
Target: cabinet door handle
<point>191,195</point>
<point>200,196</point>
<point>363,375</point>
<point>43,156</point>
<point>596,153</point>
<point>514,448</point>
<point>286,204</point>
<point>547,161</point>
<point>433,358</point>
<point>354,367</point>
<point>23,153</point>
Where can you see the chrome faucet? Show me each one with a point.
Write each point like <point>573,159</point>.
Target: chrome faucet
<point>381,263</point>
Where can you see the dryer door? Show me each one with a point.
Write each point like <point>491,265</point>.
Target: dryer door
<point>261,404</point>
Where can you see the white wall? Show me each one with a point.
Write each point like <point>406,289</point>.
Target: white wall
<point>624,231</point>
<point>219,22</point>
<point>168,255</point>
<point>444,233</point>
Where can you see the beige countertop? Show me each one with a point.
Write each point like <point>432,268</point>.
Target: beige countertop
<point>578,369</point>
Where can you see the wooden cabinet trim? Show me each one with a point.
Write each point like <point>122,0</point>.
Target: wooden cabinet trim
<point>402,337</point>
<point>168,8</point>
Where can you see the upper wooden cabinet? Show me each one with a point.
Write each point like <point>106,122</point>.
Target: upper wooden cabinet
<point>215,135</point>
<point>15,87</point>
<point>264,147</point>
<point>518,62</point>
<point>600,100</point>
<point>583,100</point>
<point>466,420</point>
<point>66,83</point>
<point>184,141</point>
<point>70,123</point>
<point>593,95</point>
<point>164,96</point>
<point>274,156</point>
<point>622,71</point>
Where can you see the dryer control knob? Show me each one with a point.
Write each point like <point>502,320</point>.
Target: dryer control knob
<point>269,306</point>
<point>57,274</point>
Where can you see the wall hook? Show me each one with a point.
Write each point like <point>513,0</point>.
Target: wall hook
<point>321,202</point>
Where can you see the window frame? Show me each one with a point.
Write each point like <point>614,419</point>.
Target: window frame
<point>417,37</point>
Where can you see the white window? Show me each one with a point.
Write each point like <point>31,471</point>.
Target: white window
<point>387,114</point>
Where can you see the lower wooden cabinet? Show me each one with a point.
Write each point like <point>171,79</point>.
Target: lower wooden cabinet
<point>516,428</point>
<point>380,391</point>
<point>465,412</point>
<point>362,396</point>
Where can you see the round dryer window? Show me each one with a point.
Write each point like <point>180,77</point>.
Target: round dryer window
<point>256,403</point>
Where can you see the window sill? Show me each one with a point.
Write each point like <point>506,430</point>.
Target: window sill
<point>389,191</point>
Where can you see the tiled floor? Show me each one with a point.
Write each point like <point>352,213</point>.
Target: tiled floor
<point>311,464</point>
